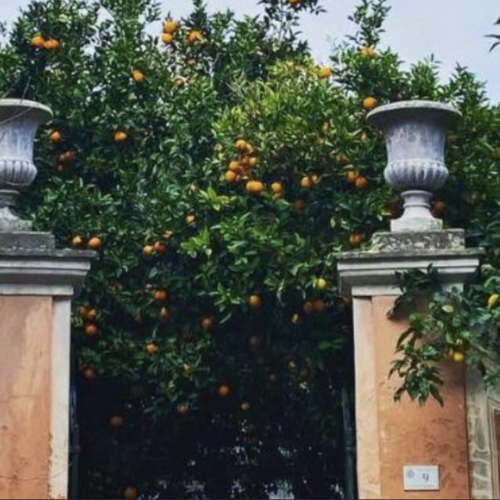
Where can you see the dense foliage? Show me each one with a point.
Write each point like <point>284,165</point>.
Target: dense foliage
<point>218,172</point>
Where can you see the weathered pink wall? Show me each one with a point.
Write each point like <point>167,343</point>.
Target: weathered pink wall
<point>25,388</point>
<point>392,435</point>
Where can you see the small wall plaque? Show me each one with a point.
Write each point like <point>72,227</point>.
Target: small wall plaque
<point>422,478</point>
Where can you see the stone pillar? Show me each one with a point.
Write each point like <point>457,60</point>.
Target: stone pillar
<point>406,450</point>
<point>37,284</point>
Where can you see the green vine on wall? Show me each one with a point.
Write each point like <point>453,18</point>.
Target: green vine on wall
<point>460,326</point>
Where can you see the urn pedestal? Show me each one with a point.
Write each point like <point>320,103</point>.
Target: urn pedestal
<point>37,284</point>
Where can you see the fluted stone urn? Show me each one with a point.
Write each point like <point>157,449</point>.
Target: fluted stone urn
<point>416,136</point>
<point>19,122</point>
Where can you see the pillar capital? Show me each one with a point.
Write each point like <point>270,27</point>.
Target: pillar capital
<point>374,272</point>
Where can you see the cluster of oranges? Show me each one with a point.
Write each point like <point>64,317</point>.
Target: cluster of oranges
<point>39,42</point>
<point>360,181</point>
<point>89,315</point>
<point>243,166</point>
<point>368,52</point>
<point>317,306</point>
<point>325,73</point>
<point>158,248</point>
<point>169,31</point>
<point>94,243</point>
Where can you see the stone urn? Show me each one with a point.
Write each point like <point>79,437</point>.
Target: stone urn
<point>19,122</point>
<point>416,136</point>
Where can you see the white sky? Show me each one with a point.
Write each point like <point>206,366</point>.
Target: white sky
<point>453,30</point>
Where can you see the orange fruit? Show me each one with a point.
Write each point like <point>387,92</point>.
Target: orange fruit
<point>224,391</point>
<point>120,137</point>
<point>77,241</point>
<point>161,295</point>
<point>91,330</point>
<point>253,162</point>
<point>307,183</point>
<point>361,182</point>
<point>183,409</point>
<point>325,72</point>
<point>52,44</point>
<point>277,187</point>
<point>152,349</point>
<point>207,323</point>
<point>351,176</point>
<point>89,374</point>
<point>67,157</point>
<point>194,36</point>
<point>367,52</point>
<point>164,313</point>
<point>255,302</point>
<point>245,407</point>
<point>148,250</point>
<point>243,146</point>
<point>55,137</point>
<point>190,220</point>
<point>363,137</point>
<point>343,160</point>
<point>83,312</point>
<point>255,187</point>
<point>167,38</point>
<point>131,493</point>
<point>295,2</point>
<point>319,306</point>
<point>92,314</point>
<point>160,247</point>
<point>170,26</point>
<point>95,243</point>
<point>235,166</point>
<point>168,235</point>
<point>370,103</point>
<point>231,177</point>
<point>356,240</point>
<point>459,357</point>
<point>295,319</point>
<point>116,421</point>
<point>309,307</point>
<point>138,76</point>
<point>439,208</point>
<point>38,42</point>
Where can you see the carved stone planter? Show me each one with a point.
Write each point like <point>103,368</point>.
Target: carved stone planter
<point>416,133</point>
<point>19,121</point>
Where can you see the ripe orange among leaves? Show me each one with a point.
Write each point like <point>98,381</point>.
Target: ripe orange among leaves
<point>255,301</point>
<point>77,241</point>
<point>138,76</point>
<point>439,208</point>
<point>277,187</point>
<point>325,72</point>
<point>245,407</point>
<point>92,314</point>
<point>91,330</point>
<point>152,349</point>
<point>95,243</point>
<point>190,220</point>
<point>307,183</point>
<point>116,421</point>
<point>52,44</point>
<point>131,493</point>
<point>207,323</point>
<point>224,391</point>
<point>161,295</point>
<point>370,103</point>
<point>120,137</point>
<point>243,146</point>
<point>55,137</point>
<point>148,250</point>
<point>167,38</point>
<point>89,374</point>
<point>194,36</point>
<point>235,166</point>
<point>160,247</point>
<point>356,240</point>
<point>67,157</point>
<point>361,182</point>
<point>309,307</point>
<point>183,409</point>
<point>38,42</point>
<point>319,306</point>
<point>164,313</point>
<point>231,177</point>
<point>255,187</point>
<point>170,27</point>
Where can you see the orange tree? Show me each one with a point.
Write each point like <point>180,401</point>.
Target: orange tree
<point>218,172</point>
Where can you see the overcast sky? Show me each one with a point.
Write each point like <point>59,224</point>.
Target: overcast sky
<point>453,30</point>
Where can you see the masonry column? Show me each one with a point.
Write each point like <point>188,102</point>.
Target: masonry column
<point>37,284</point>
<point>405,450</point>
